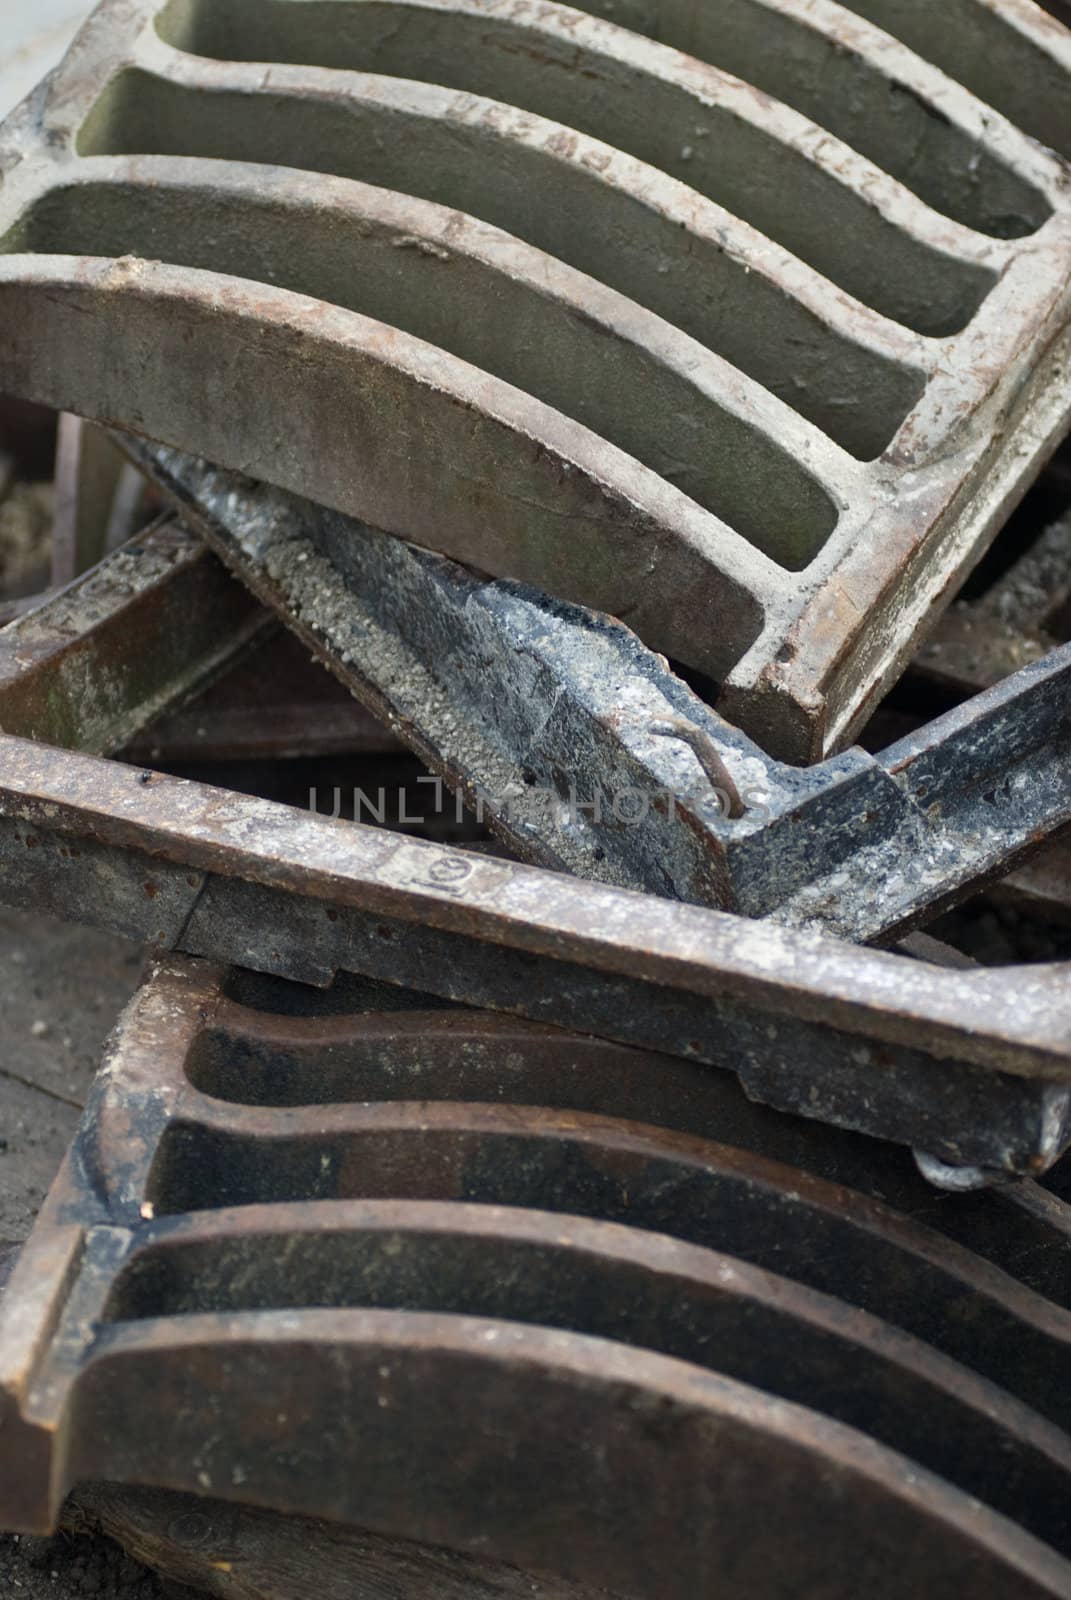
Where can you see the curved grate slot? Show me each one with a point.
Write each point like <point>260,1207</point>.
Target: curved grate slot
<point>555,1297</point>
<point>826,78</point>
<point>700,1193</point>
<point>483,297</point>
<point>670,258</point>
<point>641,1291</point>
<point>1015,59</point>
<point>719,144</point>
<point>820,327</point>
<point>247,1058</point>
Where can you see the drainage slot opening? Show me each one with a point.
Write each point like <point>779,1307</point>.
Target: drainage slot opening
<point>985,52</point>
<point>773,1336</point>
<point>859,398</point>
<point>705,1195</point>
<point>834,86</point>
<point>728,158</point>
<point>429,1057</point>
<point>325,1059</point>
<point>501,321</point>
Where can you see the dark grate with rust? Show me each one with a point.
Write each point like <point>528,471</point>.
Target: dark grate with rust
<point>581,1309</point>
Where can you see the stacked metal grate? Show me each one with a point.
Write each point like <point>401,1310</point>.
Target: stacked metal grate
<point>613,396</point>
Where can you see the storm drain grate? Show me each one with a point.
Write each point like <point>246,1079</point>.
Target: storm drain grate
<point>577,307</point>
<point>461,1279</point>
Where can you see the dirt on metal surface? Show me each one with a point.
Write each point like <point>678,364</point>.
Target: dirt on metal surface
<point>826,369</point>
<point>173,862</point>
<point>429,1232</point>
<point>632,778</point>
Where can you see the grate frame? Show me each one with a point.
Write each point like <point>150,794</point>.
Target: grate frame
<point>802,655</point>
<point>971,1068</point>
<point>418,1137</point>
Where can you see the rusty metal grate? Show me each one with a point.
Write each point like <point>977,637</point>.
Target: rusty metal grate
<point>592,1275</point>
<point>636,330</point>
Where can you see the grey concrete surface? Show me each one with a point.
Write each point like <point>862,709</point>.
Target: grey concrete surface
<point>33,36</point>
<point>61,990</point>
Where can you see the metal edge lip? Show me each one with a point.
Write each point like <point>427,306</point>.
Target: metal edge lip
<point>702,952</point>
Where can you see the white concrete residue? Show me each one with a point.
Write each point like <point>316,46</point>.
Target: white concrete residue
<point>33,36</point>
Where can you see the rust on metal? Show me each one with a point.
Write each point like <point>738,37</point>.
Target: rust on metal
<point>419,1225</point>
<point>1020,618</point>
<point>559,741</point>
<point>972,1070</point>
<point>770,435</point>
<point>971,1066</point>
<point>87,667</point>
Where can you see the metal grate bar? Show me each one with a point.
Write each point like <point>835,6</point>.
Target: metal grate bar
<point>758,551</point>
<point>683,119</point>
<point>474,1231</point>
<point>847,77</point>
<point>155,621</point>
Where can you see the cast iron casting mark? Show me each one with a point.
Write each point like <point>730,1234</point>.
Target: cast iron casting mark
<point>585,752</point>
<point>636,329</point>
<point>451,1277</point>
